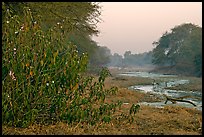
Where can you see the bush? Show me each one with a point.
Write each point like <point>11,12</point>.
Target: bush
<point>42,77</point>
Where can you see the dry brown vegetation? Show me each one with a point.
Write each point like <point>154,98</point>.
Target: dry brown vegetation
<point>170,120</point>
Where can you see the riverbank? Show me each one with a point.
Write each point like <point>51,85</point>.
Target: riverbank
<point>170,120</point>
<point>148,121</point>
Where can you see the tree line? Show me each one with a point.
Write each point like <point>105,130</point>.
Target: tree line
<point>131,60</point>
<point>178,51</point>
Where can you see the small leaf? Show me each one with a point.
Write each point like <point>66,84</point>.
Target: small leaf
<point>41,62</point>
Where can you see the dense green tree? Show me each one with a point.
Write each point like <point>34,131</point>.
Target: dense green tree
<point>73,16</point>
<point>181,48</point>
<point>198,65</point>
<point>75,20</point>
<point>161,50</point>
<point>43,79</point>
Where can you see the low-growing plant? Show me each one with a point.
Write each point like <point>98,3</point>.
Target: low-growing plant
<point>42,77</point>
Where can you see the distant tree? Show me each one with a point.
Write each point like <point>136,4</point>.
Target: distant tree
<point>141,59</point>
<point>116,60</point>
<point>128,58</point>
<point>181,48</point>
<point>127,54</point>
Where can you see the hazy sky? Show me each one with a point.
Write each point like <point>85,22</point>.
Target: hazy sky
<point>135,25</point>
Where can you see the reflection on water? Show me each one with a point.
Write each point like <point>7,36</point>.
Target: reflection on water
<point>159,89</point>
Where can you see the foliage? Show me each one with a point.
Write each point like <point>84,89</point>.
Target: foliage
<point>74,16</point>
<point>134,108</point>
<point>76,21</point>
<point>98,55</point>
<point>43,78</point>
<point>180,48</point>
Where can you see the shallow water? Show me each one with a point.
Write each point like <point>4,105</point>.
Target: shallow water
<point>159,89</point>
<point>162,104</point>
<point>146,74</point>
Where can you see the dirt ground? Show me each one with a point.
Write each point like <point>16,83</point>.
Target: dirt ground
<point>170,120</point>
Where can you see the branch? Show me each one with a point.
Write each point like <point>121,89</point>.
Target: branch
<point>173,100</point>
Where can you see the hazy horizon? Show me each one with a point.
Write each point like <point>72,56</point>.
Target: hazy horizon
<point>134,26</point>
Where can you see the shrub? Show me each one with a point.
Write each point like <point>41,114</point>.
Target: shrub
<point>42,77</point>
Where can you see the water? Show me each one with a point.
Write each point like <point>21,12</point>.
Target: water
<point>146,74</point>
<point>158,88</point>
<point>162,104</point>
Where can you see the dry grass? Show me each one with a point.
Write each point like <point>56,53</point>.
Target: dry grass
<point>149,120</point>
<point>169,120</point>
<point>125,81</point>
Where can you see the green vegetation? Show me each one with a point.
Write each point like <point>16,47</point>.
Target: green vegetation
<point>43,77</point>
<point>180,49</point>
<point>76,21</point>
